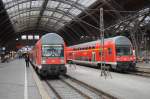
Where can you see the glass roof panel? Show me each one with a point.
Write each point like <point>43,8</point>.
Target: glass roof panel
<point>52,4</point>
<point>64,7</point>
<point>32,23</point>
<point>74,0</point>
<point>42,24</point>
<point>23,15</point>
<point>10,4</point>
<point>48,13</point>
<point>66,18</point>
<point>86,3</point>
<point>13,9</point>
<point>24,5</point>
<point>14,14</point>
<point>75,11</point>
<point>6,1</point>
<point>44,19</point>
<point>34,12</point>
<point>52,21</point>
<point>19,1</point>
<point>147,19</point>
<point>50,25</point>
<point>57,15</point>
<point>36,3</point>
<point>60,24</point>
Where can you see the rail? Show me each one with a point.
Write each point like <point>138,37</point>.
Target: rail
<point>67,87</point>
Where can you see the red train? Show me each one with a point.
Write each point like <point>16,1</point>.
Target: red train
<point>118,53</point>
<point>48,55</point>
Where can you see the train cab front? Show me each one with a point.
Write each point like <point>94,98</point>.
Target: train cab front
<point>125,58</point>
<point>53,61</point>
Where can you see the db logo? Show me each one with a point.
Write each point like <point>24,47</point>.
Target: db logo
<point>125,59</point>
<point>53,61</point>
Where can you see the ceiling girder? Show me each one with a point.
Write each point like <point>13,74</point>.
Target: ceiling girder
<point>41,12</point>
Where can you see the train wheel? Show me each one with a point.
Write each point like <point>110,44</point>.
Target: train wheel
<point>132,67</point>
<point>118,69</point>
<point>99,66</point>
<point>110,68</point>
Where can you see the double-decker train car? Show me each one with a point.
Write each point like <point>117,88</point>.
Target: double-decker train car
<point>48,55</point>
<point>117,53</point>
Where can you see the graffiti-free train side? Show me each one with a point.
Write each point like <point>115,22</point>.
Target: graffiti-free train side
<point>117,52</point>
<point>48,55</point>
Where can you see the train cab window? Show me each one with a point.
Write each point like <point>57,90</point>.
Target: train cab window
<point>52,51</point>
<point>123,50</point>
<point>109,51</point>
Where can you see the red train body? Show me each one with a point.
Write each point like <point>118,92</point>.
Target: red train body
<point>48,55</point>
<point>118,53</point>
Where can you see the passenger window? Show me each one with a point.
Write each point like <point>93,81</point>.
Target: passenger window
<point>109,51</point>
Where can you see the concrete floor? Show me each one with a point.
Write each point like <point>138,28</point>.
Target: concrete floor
<point>12,81</point>
<point>123,86</point>
<point>143,65</point>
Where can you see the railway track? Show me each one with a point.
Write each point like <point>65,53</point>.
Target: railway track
<point>145,72</point>
<point>70,88</point>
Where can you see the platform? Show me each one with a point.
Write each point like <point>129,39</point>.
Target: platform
<point>123,86</point>
<point>143,65</point>
<point>13,82</point>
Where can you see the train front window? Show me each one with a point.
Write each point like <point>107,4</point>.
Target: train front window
<point>123,50</point>
<point>52,51</point>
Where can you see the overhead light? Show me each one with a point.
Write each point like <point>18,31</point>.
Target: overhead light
<point>141,25</point>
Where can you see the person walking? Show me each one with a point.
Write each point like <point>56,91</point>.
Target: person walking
<point>27,60</point>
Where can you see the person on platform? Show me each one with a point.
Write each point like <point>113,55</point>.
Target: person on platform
<point>27,60</point>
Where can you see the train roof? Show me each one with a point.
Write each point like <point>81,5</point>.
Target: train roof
<point>52,38</point>
<point>118,40</point>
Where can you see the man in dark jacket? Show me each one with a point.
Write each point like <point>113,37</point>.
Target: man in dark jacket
<point>27,60</point>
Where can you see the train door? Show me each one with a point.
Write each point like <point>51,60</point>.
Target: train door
<point>93,56</point>
<point>73,56</point>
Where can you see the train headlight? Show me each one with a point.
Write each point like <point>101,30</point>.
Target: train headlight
<point>40,67</point>
<point>117,58</point>
<point>62,61</point>
<point>43,61</point>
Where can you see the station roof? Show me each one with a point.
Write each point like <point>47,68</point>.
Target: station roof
<point>72,19</point>
<point>46,14</point>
